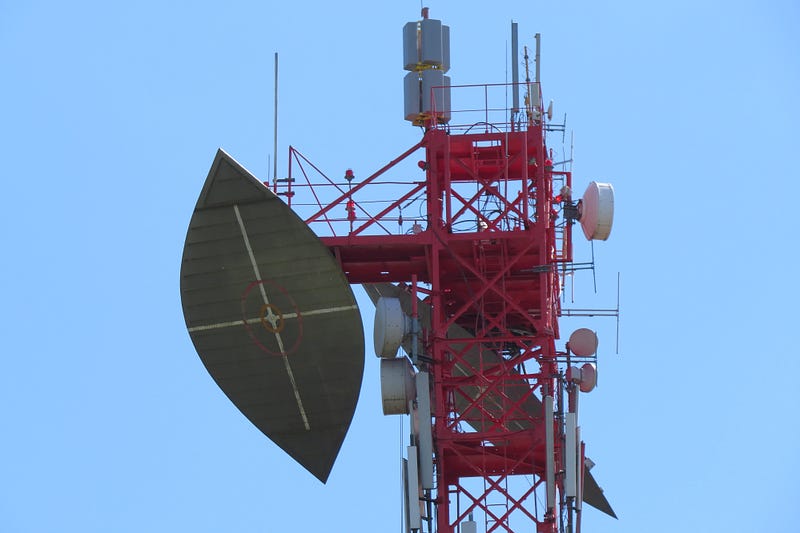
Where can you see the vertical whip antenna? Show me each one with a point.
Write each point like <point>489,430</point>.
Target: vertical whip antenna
<point>275,127</point>
<point>514,70</point>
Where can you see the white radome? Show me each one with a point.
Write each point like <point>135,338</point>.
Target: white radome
<point>397,385</point>
<point>583,342</point>
<point>597,211</point>
<point>391,325</point>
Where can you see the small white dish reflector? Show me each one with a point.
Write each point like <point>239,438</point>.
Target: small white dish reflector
<point>391,325</point>
<point>398,388</point>
<point>597,211</point>
<point>588,377</point>
<point>583,342</point>
<point>585,376</point>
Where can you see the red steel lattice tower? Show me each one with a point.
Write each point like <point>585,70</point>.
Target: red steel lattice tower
<point>480,273</point>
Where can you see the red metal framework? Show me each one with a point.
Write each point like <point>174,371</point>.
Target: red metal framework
<point>479,235</point>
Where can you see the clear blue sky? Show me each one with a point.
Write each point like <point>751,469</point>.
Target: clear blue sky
<point>111,115</point>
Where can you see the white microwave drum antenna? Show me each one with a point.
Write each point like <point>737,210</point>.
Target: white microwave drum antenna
<point>596,211</point>
<point>583,342</point>
<point>398,388</point>
<point>391,326</point>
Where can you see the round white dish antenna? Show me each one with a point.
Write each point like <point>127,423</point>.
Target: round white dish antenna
<point>397,385</point>
<point>588,377</point>
<point>585,377</point>
<point>596,211</point>
<point>583,342</point>
<point>391,325</point>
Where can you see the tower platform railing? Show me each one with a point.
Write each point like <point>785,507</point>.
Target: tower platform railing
<point>485,107</point>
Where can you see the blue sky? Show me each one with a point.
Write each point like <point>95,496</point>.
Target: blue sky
<point>111,117</point>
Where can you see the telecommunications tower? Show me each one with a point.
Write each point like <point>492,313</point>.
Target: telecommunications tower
<point>463,243</point>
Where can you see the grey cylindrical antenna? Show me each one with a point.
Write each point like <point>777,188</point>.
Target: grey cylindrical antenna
<point>550,468</point>
<point>275,127</point>
<point>538,38</point>
<point>514,69</point>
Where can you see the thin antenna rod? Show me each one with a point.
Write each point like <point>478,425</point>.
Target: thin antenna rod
<point>514,70</point>
<point>594,275</point>
<point>618,313</point>
<point>275,127</point>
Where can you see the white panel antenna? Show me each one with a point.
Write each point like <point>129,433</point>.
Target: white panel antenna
<point>570,456</point>
<point>412,490</point>
<point>425,434</point>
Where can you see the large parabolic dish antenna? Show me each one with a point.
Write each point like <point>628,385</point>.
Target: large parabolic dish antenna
<point>272,316</point>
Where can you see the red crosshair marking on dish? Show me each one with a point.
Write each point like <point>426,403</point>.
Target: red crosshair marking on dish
<point>272,319</point>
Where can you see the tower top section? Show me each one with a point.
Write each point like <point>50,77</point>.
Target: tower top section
<point>426,55</point>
